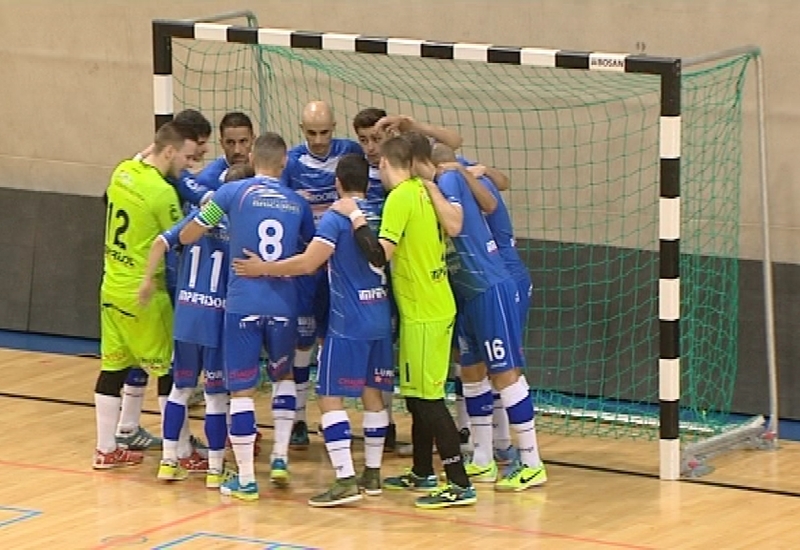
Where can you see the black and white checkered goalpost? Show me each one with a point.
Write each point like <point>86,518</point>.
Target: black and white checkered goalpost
<point>667,68</point>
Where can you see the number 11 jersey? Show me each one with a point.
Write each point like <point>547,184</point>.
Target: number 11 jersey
<point>267,219</point>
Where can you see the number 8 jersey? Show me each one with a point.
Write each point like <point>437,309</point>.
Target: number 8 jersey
<point>201,284</point>
<point>270,220</point>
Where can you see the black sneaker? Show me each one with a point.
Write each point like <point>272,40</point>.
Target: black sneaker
<point>370,482</point>
<point>341,492</point>
<point>390,443</point>
<point>299,440</point>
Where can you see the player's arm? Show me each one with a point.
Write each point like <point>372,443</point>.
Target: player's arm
<point>191,191</point>
<point>162,243</point>
<point>317,253</point>
<point>449,212</point>
<point>210,215</point>
<point>484,197</point>
<point>377,251</point>
<point>404,123</point>
<point>499,179</point>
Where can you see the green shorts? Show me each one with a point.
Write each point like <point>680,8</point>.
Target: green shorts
<point>131,335</point>
<point>424,358</point>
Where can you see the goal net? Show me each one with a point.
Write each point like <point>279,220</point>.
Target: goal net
<point>582,152</point>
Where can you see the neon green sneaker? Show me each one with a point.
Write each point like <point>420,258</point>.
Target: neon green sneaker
<point>482,474</point>
<point>410,480</point>
<point>171,471</point>
<point>522,477</point>
<point>279,473</point>
<point>447,496</point>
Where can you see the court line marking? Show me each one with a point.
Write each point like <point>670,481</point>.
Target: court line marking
<point>269,545</point>
<point>426,516</point>
<point>26,513</point>
<point>564,464</point>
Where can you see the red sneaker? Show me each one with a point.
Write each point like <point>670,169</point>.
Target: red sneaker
<point>194,463</point>
<point>116,459</point>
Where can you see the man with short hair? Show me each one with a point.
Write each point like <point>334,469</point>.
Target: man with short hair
<point>141,204</point>
<point>358,357</point>
<point>236,134</point>
<point>266,217</point>
<point>412,239</point>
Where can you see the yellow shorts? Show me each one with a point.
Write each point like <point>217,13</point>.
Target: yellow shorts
<point>131,335</point>
<point>424,358</point>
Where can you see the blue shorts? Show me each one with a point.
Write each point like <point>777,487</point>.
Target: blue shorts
<point>346,366</point>
<point>525,296</point>
<point>189,359</point>
<point>488,329</point>
<point>313,300</point>
<point>244,336</point>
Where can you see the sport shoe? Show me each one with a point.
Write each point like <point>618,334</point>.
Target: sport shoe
<point>370,482</point>
<point>214,479</point>
<point>171,471</point>
<point>342,491</point>
<point>195,463</point>
<point>116,459</point>
<point>506,456</point>
<point>410,480</point>
<point>447,496</point>
<point>199,446</point>
<point>299,440</point>
<point>521,477</point>
<point>232,488</point>
<point>139,440</point>
<point>390,443</point>
<point>279,473</point>
<point>482,474</point>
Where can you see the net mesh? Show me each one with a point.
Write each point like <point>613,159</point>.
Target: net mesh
<point>581,149</point>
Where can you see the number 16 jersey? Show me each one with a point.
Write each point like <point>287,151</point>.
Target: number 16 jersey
<point>267,219</point>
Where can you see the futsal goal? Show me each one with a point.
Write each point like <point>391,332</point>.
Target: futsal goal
<point>626,176</point>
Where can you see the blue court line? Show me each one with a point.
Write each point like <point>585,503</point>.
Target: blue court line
<point>266,545</point>
<point>25,514</point>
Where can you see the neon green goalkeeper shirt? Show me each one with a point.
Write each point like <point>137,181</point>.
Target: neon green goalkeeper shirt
<point>419,271</point>
<point>141,205</point>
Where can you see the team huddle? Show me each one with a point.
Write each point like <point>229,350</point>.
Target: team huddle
<point>393,256</point>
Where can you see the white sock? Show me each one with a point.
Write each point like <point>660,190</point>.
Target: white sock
<point>375,425</point>
<point>131,414</point>
<point>243,444</point>
<point>106,410</point>
<point>283,415</point>
<point>185,448</point>
<point>336,429</point>
<point>462,417</point>
<point>388,398</point>
<point>480,420</point>
<point>502,429</point>
<point>522,421</point>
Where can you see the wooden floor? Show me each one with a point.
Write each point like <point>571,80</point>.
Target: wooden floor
<point>601,494</point>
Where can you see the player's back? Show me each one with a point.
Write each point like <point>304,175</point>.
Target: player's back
<point>135,216</point>
<point>213,175</point>
<point>201,284</point>
<point>473,259</point>
<point>376,194</point>
<point>271,221</point>
<point>359,302</point>
<point>316,176</point>
<point>502,229</point>
<point>419,272</point>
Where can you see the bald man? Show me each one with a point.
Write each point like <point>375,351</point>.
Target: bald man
<point>311,171</point>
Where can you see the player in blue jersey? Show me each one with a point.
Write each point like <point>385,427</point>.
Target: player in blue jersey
<point>372,126</point>
<point>487,326</point>
<point>266,217</point>
<point>357,359</point>
<point>311,171</point>
<point>236,136</point>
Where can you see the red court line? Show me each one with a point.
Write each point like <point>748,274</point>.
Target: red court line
<point>427,516</point>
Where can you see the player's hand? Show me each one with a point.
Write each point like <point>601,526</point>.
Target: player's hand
<point>396,124</point>
<point>146,290</point>
<point>251,266</point>
<point>345,206</point>
<point>304,193</point>
<point>447,167</point>
<point>477,170</point>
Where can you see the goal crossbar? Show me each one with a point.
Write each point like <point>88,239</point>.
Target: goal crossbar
<point>667,69</point>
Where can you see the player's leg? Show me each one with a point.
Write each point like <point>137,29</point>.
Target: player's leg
<point>390,443</point>
<point>130,433</point>
<point>185,371</point>
<point>477,390</point>
<point>217,406</point>
<point>435,346</point>
<point>242,341</point>
<point>306,337</point>
<point>341,364</point>
<point>280,339</point>
<point>504,351</point>
<point>115,358</point>
<point>378,381</point>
